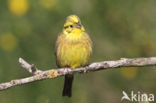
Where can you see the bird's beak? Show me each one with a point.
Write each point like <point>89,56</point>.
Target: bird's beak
<point>78,25</point>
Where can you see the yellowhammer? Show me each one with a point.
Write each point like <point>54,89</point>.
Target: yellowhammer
<point>73,49</point>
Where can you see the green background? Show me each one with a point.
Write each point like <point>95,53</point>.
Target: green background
<point>118,28</point>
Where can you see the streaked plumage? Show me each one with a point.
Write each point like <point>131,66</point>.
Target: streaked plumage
<point>73,49</point>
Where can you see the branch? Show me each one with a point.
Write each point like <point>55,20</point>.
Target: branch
<point>53,73</point>
<point>30,68</point>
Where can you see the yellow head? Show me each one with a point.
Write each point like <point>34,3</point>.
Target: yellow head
<point>73,26</point>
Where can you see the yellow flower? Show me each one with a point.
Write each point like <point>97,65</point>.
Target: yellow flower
<point>129,72</point>
<point>49,4</point>
<point>18,7</point>
<point>8,42</point>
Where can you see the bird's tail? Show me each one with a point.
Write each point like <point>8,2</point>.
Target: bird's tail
<point>67,90</point>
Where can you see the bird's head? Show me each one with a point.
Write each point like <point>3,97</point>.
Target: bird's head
<point>72,25</point>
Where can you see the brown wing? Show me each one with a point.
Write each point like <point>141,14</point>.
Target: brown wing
<point>59,39</point>
<point>90,43</point>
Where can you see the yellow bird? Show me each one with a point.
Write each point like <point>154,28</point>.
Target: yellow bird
<point>73,49</point>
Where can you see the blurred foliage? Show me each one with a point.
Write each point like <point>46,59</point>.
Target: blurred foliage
<point>130,72</point>
<point>122,28</point>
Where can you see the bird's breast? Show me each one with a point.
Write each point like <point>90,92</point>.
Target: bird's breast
<point>74,54</point>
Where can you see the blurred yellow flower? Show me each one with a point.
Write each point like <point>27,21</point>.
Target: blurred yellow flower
<point>129,72</point>
<point>8,42</point>
<point>18,7</point>
<point>49,4</point>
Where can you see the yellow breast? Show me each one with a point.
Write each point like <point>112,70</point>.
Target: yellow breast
<point>73,52</point>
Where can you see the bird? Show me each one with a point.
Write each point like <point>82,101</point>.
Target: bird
<point>73,49</point>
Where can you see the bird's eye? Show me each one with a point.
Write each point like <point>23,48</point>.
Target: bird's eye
<point>71,26</point>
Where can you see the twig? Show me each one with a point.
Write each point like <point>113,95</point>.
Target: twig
<point>53,73</point>
<point>30,68</point>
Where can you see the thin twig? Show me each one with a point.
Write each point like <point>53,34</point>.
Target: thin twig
<point>30,68</point>
<point>53,73</point>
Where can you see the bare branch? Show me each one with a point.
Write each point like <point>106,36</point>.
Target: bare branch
<point>53,73</point>
<point>30,68</point>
